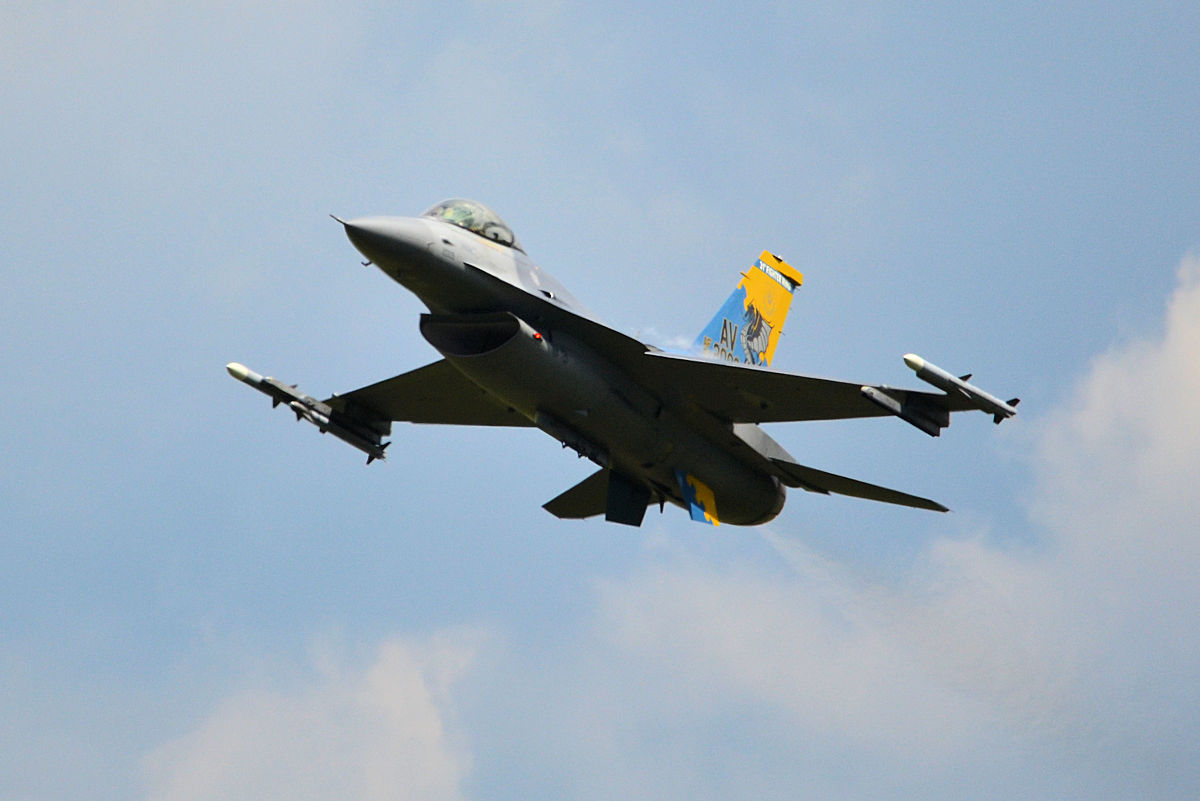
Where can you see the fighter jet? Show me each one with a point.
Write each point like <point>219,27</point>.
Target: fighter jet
<point>662,427</point>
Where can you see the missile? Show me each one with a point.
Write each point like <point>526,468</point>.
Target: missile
<point>320,414</point>
<point>279,391</point>
<point>953,385</point>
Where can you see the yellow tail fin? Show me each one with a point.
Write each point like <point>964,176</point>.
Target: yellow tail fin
<point>747,327</point>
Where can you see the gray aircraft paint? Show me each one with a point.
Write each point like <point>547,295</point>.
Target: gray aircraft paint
<point>519,349</point>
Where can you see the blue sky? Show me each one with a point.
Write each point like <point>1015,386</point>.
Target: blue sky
<point>200,599</point>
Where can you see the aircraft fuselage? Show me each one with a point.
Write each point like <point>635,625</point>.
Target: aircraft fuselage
<point>505,341</point>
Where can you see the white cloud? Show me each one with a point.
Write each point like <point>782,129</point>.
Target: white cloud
<point>378,733</point>
<point>1125,448</point>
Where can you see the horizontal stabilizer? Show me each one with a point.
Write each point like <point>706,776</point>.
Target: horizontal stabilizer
<point>588,498</point>
<point>619,499</point>
<point>813,480</point>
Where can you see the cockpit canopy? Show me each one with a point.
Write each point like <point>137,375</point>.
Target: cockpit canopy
<point>476,218</point>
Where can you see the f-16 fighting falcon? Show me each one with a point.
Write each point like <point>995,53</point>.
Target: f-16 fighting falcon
<point>519,350</point>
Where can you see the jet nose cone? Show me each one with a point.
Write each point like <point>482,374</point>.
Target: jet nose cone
<point>389,241</point>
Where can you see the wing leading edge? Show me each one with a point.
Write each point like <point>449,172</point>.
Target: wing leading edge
<point>436,393</point>
<point>744,394</point>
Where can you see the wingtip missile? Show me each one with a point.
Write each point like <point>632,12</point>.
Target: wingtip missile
<point>351,431</point>
<point>953,385</point>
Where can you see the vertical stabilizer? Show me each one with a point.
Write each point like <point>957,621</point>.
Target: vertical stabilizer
<point>748,325</point>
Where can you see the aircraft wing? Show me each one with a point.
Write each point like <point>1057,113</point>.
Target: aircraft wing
<point>435,393</point>
<point>744,394</point>
<point>732,392</point>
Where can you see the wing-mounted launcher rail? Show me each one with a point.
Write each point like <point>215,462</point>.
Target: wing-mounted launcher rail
<point>363,434</point>
<point>912,408</point>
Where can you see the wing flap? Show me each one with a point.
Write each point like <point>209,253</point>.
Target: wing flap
<point>813,480</point>
<point>744,394</point>
<point>435,393</point>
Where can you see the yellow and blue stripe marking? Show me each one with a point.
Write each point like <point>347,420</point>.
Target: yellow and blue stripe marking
<point>702,503</point>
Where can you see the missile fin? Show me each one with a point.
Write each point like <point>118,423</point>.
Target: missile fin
<point>1000,417</point>
<point>379,454</point>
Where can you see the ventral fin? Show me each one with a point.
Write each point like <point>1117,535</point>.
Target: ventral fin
<point>702,503</point>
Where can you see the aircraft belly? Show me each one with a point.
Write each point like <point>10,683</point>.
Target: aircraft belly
<point>742,495</point>
<point>585,402</point>
<point>654,446</point>
<point>655,450</point>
